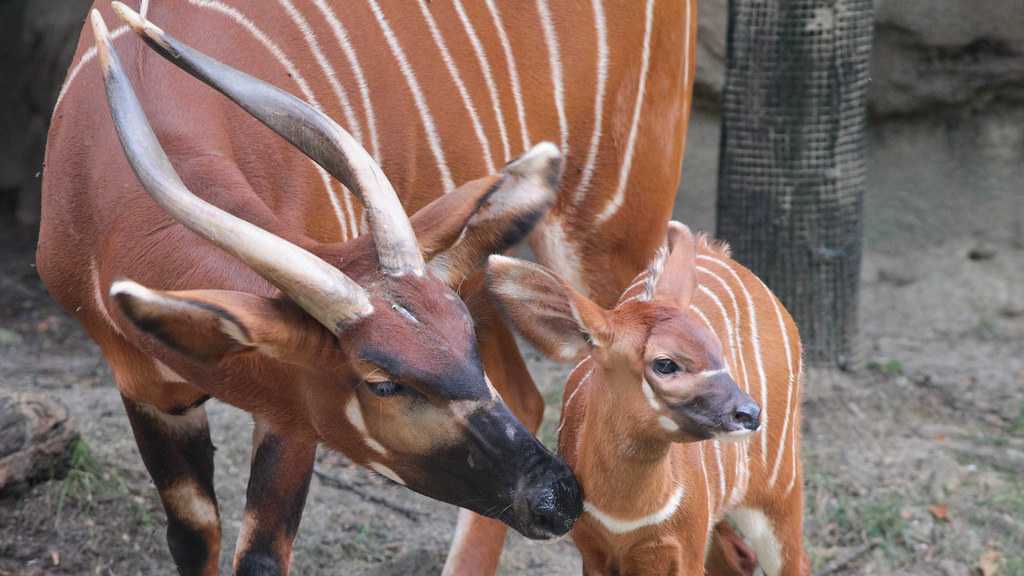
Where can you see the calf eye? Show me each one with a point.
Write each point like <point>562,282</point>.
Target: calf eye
<point>385,388</point>
<point>664,366</point>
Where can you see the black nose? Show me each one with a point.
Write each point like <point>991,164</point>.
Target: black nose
<point>555,507</point>
<point>748,415</point>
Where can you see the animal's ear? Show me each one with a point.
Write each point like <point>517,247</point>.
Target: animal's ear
<point>459,230</point>
<point>562,323</point>
<point>678,280</point>
<point>209,325</point>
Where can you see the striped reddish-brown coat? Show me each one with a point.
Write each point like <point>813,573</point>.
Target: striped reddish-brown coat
<point>655,488</point>
<point>438,92</point>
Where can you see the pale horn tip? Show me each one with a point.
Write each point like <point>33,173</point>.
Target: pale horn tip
<point>102,36</point>
<point>137,23</point>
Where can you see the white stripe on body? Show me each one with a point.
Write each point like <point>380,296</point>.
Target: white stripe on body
<point>618,526</point>
<point>433,140</point>
<point>341,35</point>
<point>756,345</point>
<point>328,71</point>
<point>513,73</point>
<point>627,158</point>
<point>565,408</point>
<point>789,387</point>
<point>729,330</point>
<point>453,70</point>
<point>707,489</point>
<point>555,62</point>
<point>295,75</point>
<point>721,471</point>
<point>793,434</point>
<point>602,79</point>
<point>735,332</point>
<point>485,67</point>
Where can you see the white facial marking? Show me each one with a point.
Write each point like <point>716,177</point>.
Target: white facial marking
<point>386,472</point>
<point>710,373</point>
<point>649,394</point>
<point>759,531</point>
<point>734,436</point>
<point>618,526</point>
<point>668,424</point>
<point>354,413</point>
<point>166,374</point>
<point>405,313</point>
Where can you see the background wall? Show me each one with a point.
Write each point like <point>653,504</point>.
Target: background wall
<point>946,112</point>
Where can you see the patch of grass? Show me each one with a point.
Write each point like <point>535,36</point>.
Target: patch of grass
<point>1013,566</point>
<point>888,368</point>
<point>881,520</point>
<point>89,481</point>
<point>851,520</point>
<point>986,329</point>
<point>1010,501</point>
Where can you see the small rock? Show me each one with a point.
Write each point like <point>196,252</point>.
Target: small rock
<point>35,435</point>
<point>983,251</point>
<point>1013,310</point>
<point>897,276</point>
<point>416,562</point>
<point>945,477</point>
<point>953,568</point>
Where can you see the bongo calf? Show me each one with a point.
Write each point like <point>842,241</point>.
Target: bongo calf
<point>683,412</point>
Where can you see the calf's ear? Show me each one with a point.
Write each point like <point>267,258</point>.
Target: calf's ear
<point>562,323</point>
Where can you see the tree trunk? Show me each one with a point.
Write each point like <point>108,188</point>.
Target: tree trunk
<point>791,177</point>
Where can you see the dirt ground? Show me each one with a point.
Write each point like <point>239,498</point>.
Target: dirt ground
<point>913,464</point>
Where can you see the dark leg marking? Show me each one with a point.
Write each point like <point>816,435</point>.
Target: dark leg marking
<point>178,454</point>
<point>278,484</point>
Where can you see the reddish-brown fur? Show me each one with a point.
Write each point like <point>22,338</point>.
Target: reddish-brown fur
<point>93,208</point>
<point>629,464</point>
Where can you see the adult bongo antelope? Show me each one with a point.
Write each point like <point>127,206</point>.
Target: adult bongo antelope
<point>362,344</point>
<point>663,440</point>
<point>438,93</point>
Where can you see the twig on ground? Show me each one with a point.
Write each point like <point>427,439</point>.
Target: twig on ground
<point>839,563</point>
<point>335,482</point>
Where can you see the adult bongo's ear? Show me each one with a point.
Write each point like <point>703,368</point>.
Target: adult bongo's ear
<point>488,216</point>
<point>562,323</point>
<point>209,325</point>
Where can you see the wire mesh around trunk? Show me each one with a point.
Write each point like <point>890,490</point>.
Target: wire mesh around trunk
<point>792,172</point>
